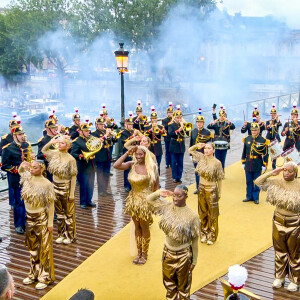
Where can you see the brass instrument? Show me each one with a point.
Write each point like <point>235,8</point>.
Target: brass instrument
<point>143,118</point>
<point>94,145</point>
<point>188,126</point>
<point>110,122</point>
<point>115,134</point>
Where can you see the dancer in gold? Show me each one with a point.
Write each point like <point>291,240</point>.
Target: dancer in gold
<point>38,195</point>
<point>62,166</point>
<point>143,178</point>
<point>181,226</point>
<point>209,192</point>
<point>284,194</point>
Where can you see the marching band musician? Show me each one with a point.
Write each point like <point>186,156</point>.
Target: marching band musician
<point>127,134</point>
<point>165,122</point>
<point>291,130</point>
<point>222,128</point>
<point>256,118</point>
<point>12,156</point>
<point>199,135</point>
<point>85,167</point>
<point>51,131</point>
<point>177,133</point>
<point>155,133</point>
<point>5,140</point>
<point>103,157</point>
<point>272,127</point>
<point>254,161</point>
<point>73,130</point>
<point>139,121</point>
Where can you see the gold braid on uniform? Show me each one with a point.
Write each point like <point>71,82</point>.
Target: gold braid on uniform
<point>37,191</point>
<point>208,168</point>
<point>181,225</point>
<point>283,194</point>
<point>62,165</point>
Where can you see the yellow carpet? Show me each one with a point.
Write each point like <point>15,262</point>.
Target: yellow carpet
<point>245,231</point>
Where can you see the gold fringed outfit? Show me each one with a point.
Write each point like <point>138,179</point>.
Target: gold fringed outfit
<point>285,196</point>
<point>182,229</point>
<point>63,167</point>
<point>209,192</point>
<point>38,195</point>
<point>136,204</point>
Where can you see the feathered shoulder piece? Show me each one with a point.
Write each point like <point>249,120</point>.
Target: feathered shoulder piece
<point>37,191</point>
<point>210,169</point>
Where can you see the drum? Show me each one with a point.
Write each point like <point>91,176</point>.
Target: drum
<point>291,154</point>
<point>275,149</point>
<point>221,143</point>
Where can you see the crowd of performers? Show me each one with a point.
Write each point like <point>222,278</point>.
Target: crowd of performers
<point>41,187</point>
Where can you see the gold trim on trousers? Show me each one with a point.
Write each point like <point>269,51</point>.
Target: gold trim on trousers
<point>65,211</point>
<point>39,242</point>
<point>208,210</point>
<point>177,278</point>
<point>286,242</point>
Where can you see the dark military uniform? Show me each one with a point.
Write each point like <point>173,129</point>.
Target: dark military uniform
<point>139,125</point>
<point>177,149</point>
<point>200,136</point>
<point>73,132</point>
<point>103,161</point>
<point>255,156</point>
<point>112,126</point>
<point>125,136</point>
<point>292,135</point>
<point>155,142</point>
<point>273,134</point>
<point>5,139</point>
<point>12,156</point>
<point>86,171</point>
<point>222,130</point>
<point>167,139</point>
<point>247,128</point>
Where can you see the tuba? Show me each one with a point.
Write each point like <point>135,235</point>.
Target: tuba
<point>94,145</point>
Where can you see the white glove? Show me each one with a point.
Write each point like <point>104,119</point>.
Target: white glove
<point>263,168</point>
<point>191,158</point>
<point>243,166</point>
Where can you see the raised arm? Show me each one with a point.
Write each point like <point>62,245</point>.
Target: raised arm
<point>120,164</point>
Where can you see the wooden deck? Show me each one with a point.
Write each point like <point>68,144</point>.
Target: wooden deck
<point>98,225</point>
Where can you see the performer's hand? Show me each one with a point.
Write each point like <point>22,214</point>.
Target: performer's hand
<point>276,171</point>
<point>245,124</point>
<point>80,156</point>
<point>286,129</point>
<point>54,141</point>
<point>70,200</point>
<point>215,121</point>
<point>50,229</point>
<point>132,150</point>
<point>263,168</point>
<point>200,145</point>
<point>165,193</point>
<point>138,138</point>
<point>243,166</point>
<point>191,268</point>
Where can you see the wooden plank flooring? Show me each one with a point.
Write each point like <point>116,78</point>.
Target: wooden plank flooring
<point>96,226</point>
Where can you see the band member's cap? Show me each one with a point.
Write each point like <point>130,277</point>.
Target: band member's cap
<point>254,126</point>
<point>50,124</point>
<point>100,121</point>
<point>153,114</point>
<point>255,112</point>
<point>222,112</point>
<point>104,111</point>
<point>17,130</point>
<point>139,106</point>
<point>76,115</point>
<point>129,121</point>
<point>170,107</point>
<point>200,118</point>
<point>237,277</point>
<point>273,109</point>
<point>294,110</point>
<point>52,115</point>
<point>84,126</point>
<point>13,122</point>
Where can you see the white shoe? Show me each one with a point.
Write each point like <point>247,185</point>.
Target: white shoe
<point>209,243</point>
<point>278,283</point>
<point>292,287</point>
<point>41,286</point>
<point>28,280</point>
<point>60,240</point>
<point>203,240</point>
<point>67,241</point>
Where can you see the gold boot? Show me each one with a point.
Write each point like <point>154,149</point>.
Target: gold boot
<point>146,243</point>
<point>139,245</point>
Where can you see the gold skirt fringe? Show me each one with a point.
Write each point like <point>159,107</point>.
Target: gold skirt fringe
<point>39,242</point>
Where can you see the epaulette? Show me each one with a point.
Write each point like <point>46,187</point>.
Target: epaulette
<point>75,139</point>
<point>243,140</point>
<point>40,139</point>
<point>267,142</point>
<point>4,136</point>
<point>211,134</point>
<point>6,146</point>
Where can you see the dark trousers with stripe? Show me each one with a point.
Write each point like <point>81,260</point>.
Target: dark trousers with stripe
<point>86,187</point>
<point>177,165</point>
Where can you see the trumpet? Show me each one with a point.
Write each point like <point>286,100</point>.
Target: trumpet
<point>115,134</point>
<point>94,145</point>
<point>143,118</point>
<point>110,122</point>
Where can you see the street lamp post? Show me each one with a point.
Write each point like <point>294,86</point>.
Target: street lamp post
<point>121,57</point>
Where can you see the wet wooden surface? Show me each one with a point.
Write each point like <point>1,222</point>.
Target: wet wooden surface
<point>96,226</point>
